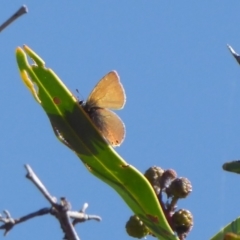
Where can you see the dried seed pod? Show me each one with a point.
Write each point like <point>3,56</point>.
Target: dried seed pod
<point>182,221</point>
<point>179,188</point>
<point>136,228</point>
<point>153,175</point>
<point>156,189</point>
<point>167,177</point>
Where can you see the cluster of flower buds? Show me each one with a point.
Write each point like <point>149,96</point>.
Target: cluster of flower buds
<point>166,182</point>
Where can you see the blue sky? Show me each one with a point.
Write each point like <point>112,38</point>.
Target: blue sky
<point>182,110</point>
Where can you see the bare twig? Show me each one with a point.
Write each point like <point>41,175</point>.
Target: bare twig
<point>58,210</point>
<point>9,222</point>
<point>62,211</point>
<point>236,55</point>
<point>36,181</point>
<point>80,216</point>
<point>22,10</point>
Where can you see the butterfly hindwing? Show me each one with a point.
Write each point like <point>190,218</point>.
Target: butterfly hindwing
<point>110,125</point>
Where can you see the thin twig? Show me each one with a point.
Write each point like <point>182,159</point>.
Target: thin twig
<point>81,216</point>
<point>58,210</point>
<point>22,10</point>
<point>236,55</point>
<point>62,211</point>
<point>9,222</point>
<point>36,181</point>
<point>38,213</point>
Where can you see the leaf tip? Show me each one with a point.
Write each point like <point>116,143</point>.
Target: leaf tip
<point>26,48</point>
<point>33,56</point>
<point>19,51</point>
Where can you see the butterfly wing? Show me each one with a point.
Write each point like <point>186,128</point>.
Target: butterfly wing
<point>109,124</point>
<point>108,93</point>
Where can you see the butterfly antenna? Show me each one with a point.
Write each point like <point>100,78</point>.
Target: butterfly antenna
<point>80,99</point>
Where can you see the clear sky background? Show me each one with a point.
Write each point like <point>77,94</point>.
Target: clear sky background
<point>182,110</point>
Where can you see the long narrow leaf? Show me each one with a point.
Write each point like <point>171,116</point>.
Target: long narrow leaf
<point>73,127</point>
<point>233,227</point>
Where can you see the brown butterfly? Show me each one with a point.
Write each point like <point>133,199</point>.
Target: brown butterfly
<point>107,94</point>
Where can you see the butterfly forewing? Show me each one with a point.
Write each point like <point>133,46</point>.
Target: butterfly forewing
<point>108,93</point>
<point>110,125</point>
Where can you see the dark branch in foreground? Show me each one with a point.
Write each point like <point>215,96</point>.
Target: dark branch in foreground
<point>22,10</point>
<point>60,210</point>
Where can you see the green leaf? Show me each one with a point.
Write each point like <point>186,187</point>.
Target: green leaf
<point>233,227</point>
<point>73,127</point>
<point>233,166</point>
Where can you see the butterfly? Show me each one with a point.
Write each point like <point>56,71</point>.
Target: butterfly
<point>107,94</point>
